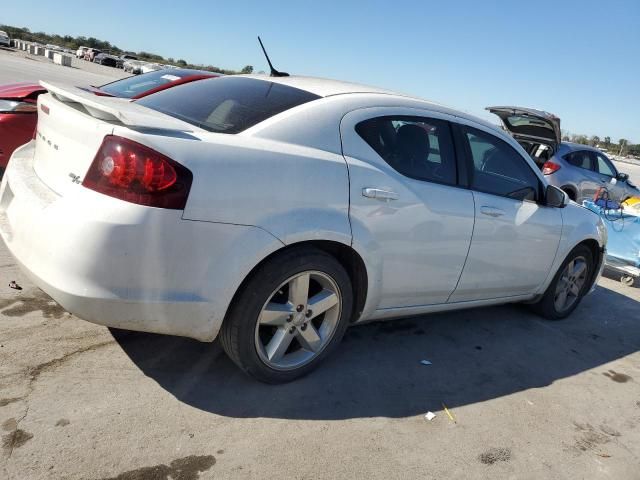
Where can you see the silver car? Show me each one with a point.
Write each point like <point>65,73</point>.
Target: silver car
<point>579,170</point>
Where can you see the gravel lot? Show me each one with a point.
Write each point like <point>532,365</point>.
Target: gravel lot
<point>530,398</point>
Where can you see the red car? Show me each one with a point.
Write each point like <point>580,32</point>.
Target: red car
<point>18,109</point>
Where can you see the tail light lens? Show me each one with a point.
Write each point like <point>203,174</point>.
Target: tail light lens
<point>550,167</point>
<point>135,173</point>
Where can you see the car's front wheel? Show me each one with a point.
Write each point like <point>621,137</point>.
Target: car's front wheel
<point>569,285</point>
<point>288,316</point>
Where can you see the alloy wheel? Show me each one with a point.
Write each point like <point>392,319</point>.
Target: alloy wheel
<point>298,320</point>
<point>570,284</point>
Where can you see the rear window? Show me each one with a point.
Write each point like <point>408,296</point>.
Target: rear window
<point>227,104</point>
<point>131,86</point>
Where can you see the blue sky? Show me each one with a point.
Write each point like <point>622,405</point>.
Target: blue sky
<point>577,59</point>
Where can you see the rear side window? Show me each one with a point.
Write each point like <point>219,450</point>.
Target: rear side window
<point>227,104</point>
<point>581,159</point>
<point>498,169</point>
<point>416,147</point>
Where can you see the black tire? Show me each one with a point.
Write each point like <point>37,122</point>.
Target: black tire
<point>546,307</point>
<point>237,335</point>
<point>627,280</point>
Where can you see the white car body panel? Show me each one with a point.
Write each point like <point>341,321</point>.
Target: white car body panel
<point>297,176</point>
<point>510,254</point>
<point>125,265</point>
<point>421,238</point>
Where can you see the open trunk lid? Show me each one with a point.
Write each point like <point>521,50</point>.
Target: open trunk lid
<point>529,125</point>
<point>72,124</point>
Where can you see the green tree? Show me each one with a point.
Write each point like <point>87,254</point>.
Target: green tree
<point>247,69</point>
<point>607,142</point>
<point>623,143</point>
<point>595,140</point>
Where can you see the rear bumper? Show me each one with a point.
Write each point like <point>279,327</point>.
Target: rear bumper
<point>623,266</point>
<point>123,265</point>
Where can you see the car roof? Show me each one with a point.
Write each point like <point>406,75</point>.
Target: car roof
<point>572,147</point>
<point>323,87</point>
<point>326,87</point>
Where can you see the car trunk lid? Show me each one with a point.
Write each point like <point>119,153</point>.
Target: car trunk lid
<point>72,124</point>
<point>19,91</point>
<point>529,125</point>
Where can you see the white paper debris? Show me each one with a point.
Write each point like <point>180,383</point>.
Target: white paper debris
<point>425,362</point>
<point>430,416</point>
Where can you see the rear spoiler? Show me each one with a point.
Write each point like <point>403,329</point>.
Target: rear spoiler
<point>116,110</point>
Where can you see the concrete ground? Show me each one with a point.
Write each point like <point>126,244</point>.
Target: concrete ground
<point>529,398</point>
<point>19,66</point>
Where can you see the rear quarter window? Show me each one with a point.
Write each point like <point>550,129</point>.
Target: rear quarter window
<point>227,104</point>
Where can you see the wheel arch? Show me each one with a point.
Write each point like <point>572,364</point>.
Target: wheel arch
<point>571,191</point>
<point>597,254</point>
<point>346,255</point>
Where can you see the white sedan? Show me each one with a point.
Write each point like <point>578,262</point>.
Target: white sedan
<point>275,212</point>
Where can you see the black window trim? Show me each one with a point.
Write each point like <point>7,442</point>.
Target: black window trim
<point>470,166</point>
<point>421,118</point>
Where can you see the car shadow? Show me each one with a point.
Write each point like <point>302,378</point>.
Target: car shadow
<point>476,355</point>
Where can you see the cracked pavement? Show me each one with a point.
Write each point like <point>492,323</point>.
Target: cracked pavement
<point>531,399</point>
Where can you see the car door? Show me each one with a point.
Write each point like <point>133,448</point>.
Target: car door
<point>582,173</point>
<point>515,238</point>
<point>607,176</point>
<point>406,207</point>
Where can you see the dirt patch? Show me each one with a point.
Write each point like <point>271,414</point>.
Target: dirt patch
<point>494,455</point>
<point>63,422</point>
<point>15,439</point>
<point>187,468</point>
<point>589,437</point>
<point>6,401</point>
<point>10,425</point>
<point>617,377</point>
<point>39,301</point>
<point>56,362</point>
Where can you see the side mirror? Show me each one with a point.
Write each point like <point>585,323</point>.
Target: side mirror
<point>554,197</point>
<point>623,177</point>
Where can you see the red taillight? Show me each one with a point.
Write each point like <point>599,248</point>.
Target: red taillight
<point>550,167</point>
<point>135,173</point>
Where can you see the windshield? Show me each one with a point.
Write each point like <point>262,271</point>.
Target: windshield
<point>227,104</point>
<point>131,86</point>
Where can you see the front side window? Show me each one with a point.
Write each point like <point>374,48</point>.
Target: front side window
<point>226,104</point>
<point>604,166</point>
<point>416,147</point>
<point>498,168</point>
<point>580,159</point>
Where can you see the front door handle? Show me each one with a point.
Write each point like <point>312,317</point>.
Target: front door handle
<point>491,211</point>
<point>379,194</point>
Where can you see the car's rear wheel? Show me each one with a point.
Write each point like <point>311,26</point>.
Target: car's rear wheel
<point>288,316</point>
<point>569,285</point>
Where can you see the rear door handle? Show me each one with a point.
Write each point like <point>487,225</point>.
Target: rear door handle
<point>491,211</point>
<point>379,194</point>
